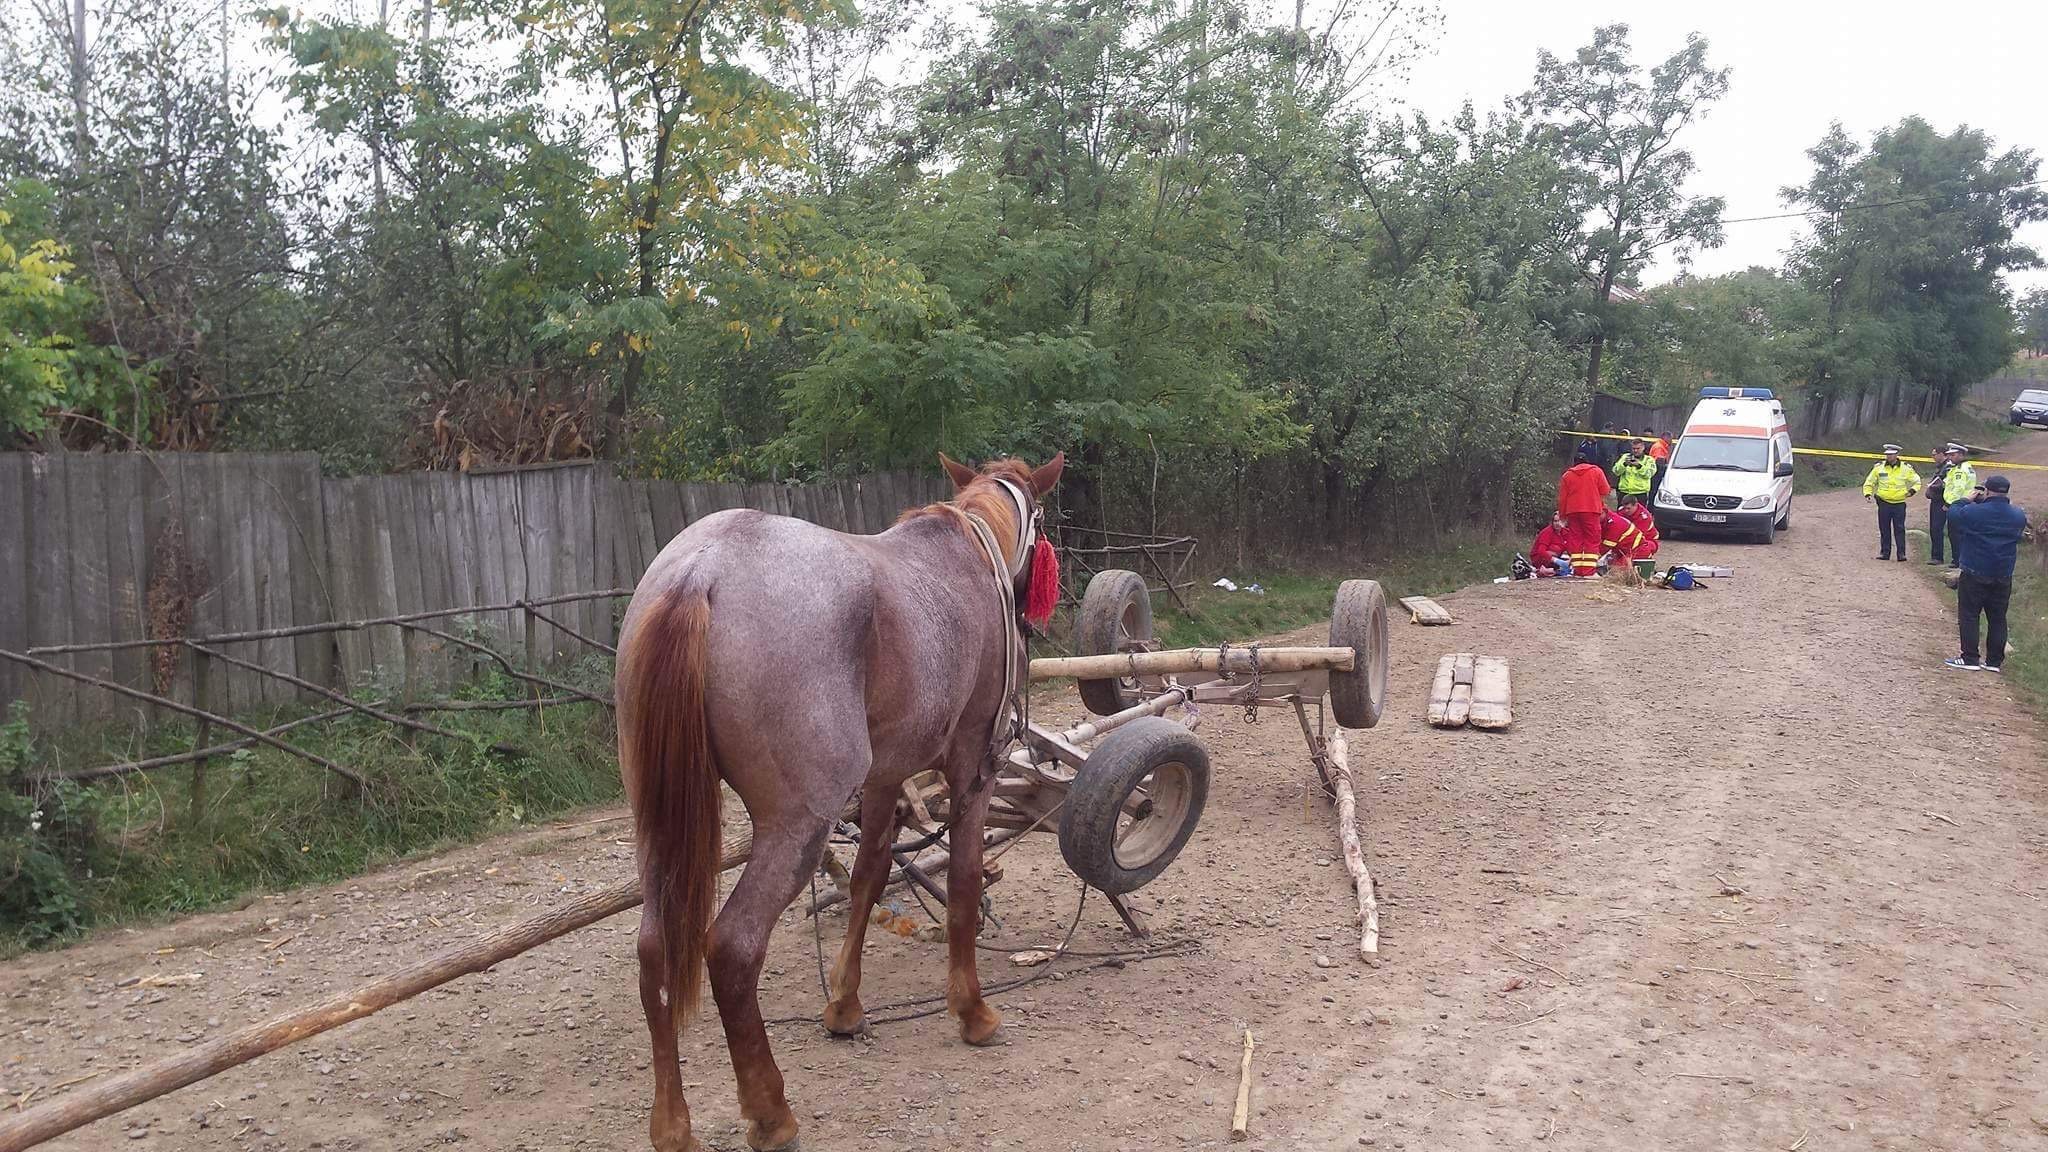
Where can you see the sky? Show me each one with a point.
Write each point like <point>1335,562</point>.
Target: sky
<point>1797,65</point>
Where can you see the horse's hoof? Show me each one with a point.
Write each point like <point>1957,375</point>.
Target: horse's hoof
<point>767,1142</point>
<point>983,1028</point>
<point>845,1018</point>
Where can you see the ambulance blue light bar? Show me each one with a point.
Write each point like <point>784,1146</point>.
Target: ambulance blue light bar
<point>1736,394</point>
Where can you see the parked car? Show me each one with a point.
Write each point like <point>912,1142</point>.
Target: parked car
<point>2031,407</point>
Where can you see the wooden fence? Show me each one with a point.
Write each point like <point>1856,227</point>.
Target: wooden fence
<point>100,548</point>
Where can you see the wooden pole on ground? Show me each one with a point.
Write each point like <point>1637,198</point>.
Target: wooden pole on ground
<point>1240,1117</point>
<point>1354,856</point>
<point>82,1107</point>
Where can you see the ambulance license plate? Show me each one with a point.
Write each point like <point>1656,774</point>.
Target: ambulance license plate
<point>1710,517</point>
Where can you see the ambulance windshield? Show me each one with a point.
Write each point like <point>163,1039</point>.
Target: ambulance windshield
<point>1723,453</point>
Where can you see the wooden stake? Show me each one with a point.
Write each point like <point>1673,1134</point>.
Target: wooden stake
<point>150,1081</point>
<point>1240,1119</point>
<point>1354,854</point>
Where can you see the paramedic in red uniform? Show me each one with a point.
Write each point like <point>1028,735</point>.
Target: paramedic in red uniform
<point>1638,514</point>
<point>1582,505</point>
<point>1620,538</point>
<point>1549,548</point>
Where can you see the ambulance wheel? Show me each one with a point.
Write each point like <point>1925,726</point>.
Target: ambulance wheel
<point>1767,533</point>
<point>1785,521</point>
<point>1358,621</point>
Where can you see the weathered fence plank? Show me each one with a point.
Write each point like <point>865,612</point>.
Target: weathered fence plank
<point>271,544</point>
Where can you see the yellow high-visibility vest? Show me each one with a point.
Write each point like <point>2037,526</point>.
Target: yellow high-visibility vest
<point>1893,484</point>
<point>1961,479</point>
<point>1633,474</point>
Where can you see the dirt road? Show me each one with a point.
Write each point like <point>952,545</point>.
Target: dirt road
<point>1560,962</point>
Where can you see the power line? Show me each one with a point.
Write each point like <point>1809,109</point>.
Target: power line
<point>1879,204</point>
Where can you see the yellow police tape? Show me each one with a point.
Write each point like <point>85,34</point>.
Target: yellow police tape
<point>1819,451</point>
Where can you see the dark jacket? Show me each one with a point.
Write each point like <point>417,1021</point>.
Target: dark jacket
<point>1933,492</point>
<point>1987,536</point>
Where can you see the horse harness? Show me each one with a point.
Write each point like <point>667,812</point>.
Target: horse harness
<point>1013,714</point>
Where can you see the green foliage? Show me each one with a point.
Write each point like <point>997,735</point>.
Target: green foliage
<point>76,856</point>
<point>49,842</point>
<point>1917,232</point>
<point>46,362</point>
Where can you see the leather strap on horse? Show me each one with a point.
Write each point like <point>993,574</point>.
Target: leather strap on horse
<point>1011,713</point>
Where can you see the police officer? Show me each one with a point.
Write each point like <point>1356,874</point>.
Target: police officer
<point>1635,472</point>
<point>1958,480</point>
<point>1890,484</point>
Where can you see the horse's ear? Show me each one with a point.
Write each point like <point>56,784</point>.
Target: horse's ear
<point>961,474</point>
<point>1046,475</point>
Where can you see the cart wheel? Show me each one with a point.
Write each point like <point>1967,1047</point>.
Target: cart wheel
<point>1116,616</point>
<point>1133,804</point>
<point>1358,621</point>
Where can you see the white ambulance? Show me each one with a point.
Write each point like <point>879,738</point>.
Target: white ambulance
<point>1731,470</point>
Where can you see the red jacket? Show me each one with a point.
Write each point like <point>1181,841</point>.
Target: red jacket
<point>1619,535</point>
<point>1582,488</point>
<point>1548,547</point>
<point>1646,523</point>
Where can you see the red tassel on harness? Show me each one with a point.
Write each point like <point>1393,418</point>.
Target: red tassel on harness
<point>1044,592</point>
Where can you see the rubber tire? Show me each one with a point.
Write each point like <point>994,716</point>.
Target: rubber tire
<point>1111,593</point>
<point>1358,621</point>
<point>1785,521</point>
<point>1088,821</point>
<point>1767,533</point>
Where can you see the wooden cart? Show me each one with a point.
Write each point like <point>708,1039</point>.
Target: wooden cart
<point>1127,787</point>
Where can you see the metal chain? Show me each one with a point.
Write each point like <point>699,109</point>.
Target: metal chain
<point>1251,696</point>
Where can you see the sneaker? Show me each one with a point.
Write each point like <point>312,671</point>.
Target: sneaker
<point>1935,560</point>
<point>1902,559</point>
<point>1990,668</point>
<point>1962,665</point>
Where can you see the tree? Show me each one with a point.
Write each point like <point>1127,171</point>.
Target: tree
<point>46,364</point>
<point>2033,325</point>
<point>1619,133</point>
<point>1911,242</point>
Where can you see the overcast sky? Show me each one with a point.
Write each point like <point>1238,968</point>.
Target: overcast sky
<point>1797,65</point>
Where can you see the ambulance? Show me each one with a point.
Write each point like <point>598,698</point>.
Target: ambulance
<point>1731,471</point>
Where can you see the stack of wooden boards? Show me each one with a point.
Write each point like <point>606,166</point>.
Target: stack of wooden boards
<point>1471,690</point>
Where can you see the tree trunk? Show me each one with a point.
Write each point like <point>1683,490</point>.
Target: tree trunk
<point>81,128</point>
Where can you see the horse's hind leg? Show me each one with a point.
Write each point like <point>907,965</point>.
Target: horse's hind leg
<point>843,1014</point>
<point>670,1127</point>
<point>978,1022</point>
<point>784,857</point>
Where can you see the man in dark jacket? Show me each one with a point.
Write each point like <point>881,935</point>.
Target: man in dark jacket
<point>1988,529</point>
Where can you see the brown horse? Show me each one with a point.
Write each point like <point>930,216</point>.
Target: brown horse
<point>800,665</point>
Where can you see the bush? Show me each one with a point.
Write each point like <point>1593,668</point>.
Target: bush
<point>49,833</point>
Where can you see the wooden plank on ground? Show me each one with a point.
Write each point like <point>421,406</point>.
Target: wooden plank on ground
<point>1492,695</point>
<point>1461,691</point>
<point>1440,692</point>
<point>1423,610</point>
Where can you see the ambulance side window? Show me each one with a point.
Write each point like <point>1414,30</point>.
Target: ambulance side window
<point>1784,446</point>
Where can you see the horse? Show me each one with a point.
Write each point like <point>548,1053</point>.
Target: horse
<point>799,665</point>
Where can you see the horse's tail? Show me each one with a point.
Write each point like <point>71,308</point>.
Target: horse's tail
<point>665,758</point>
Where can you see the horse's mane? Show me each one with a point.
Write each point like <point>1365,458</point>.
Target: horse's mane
<point>986,499</point>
